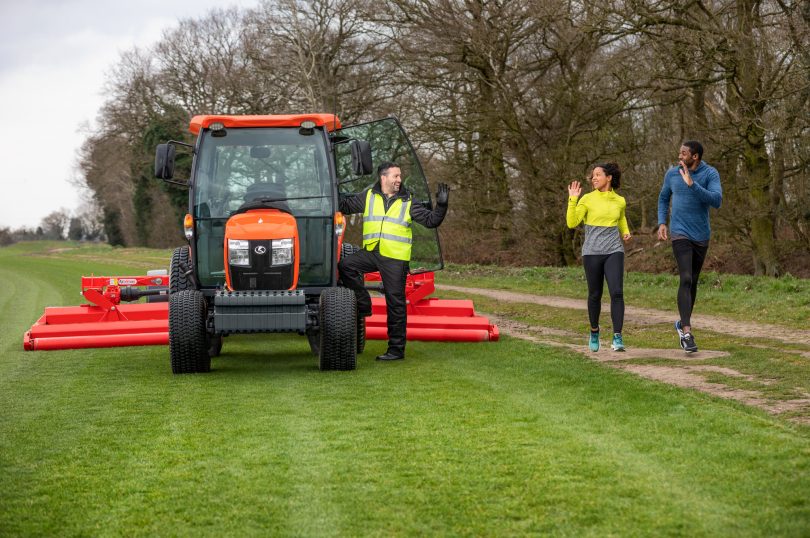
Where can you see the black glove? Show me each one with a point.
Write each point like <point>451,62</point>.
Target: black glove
<point>442,194</point>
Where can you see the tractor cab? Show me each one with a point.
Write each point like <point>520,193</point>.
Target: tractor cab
<point>265,233</point>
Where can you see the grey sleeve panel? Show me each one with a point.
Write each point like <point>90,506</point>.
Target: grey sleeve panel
<point>601,240</point>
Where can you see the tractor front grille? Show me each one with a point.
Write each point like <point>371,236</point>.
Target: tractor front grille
<point>261,275</point>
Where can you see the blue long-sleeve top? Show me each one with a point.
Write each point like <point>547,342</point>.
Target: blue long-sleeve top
<point>690,205</point>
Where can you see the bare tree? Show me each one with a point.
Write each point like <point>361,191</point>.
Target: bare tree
<point>55,224</point>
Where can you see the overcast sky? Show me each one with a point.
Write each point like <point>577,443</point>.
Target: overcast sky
<point>54,55</point>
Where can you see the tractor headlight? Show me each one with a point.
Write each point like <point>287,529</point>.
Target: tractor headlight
<point>238,252</point>
<point>282,251</point>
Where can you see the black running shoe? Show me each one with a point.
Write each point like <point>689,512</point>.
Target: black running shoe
<point>688,343</point>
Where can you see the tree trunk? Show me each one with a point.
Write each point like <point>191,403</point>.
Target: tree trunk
<point>756,164</point>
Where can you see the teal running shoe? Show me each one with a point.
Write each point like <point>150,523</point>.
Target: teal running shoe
<point>593,343</point>
<point>617,344</point>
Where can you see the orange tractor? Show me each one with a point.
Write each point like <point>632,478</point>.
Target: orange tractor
<point>264,239</point>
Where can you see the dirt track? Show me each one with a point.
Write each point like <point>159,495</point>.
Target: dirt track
<point>681,373</point>
<point>651,316</point>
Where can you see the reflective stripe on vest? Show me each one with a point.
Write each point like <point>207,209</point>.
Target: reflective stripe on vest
<point>392,229</point>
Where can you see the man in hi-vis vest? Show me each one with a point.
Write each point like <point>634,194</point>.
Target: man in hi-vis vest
<point>388,212</point>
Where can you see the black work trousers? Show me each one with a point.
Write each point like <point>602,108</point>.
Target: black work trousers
<point>690,256</point>
<point>393,273</point>
<point>598,268</point>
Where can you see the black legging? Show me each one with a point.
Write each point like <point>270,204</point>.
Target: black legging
<point>599,268</point>
<point>690,256</point>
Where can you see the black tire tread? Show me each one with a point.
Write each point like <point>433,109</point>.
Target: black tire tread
<point>338,330</point>
<point>188,341</point>
<point>178,281</point>
<point>361,334</point>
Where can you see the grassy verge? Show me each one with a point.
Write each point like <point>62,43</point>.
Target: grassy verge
<point>783,301</point>
<point>504,438</point>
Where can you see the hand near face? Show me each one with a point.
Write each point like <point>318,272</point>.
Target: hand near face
<point>684,171</point>
<point>574,189</point>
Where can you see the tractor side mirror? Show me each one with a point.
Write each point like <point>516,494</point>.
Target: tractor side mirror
<point>361,157</point>
<point>164,161</point>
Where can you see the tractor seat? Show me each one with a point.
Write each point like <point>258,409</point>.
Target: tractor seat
<point>264,195</point>
<point>264,189</point>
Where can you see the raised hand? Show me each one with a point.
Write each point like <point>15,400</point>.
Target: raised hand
<point>574,189</point>
<point>442,194</point>
<point>687,178</point>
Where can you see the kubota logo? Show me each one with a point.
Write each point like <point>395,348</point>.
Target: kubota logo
<point>260,250</point>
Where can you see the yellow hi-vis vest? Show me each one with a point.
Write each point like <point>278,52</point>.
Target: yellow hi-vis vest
<point>392,230</point>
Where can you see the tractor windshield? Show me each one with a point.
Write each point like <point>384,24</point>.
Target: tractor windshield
<point>249,163</point>
<point>279,164</point>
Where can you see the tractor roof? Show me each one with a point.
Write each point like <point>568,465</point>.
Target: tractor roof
<point>330,121</point>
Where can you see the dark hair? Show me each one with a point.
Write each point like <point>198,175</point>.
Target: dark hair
<point>384,166</point>
<point>615,173</point>
<point>695,148</point>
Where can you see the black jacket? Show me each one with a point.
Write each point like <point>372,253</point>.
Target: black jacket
<point>356,203</point>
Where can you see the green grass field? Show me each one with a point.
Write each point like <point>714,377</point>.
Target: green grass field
<point>492,439</point>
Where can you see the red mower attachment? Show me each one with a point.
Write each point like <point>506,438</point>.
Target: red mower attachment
<point>431,319</point>
<point>106,322</point>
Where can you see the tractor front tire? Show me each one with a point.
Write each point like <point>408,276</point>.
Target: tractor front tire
<point>188,340</point>
<point>178,281</point>
<point>338,330</point>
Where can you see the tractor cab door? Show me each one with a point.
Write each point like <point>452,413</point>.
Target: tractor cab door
<point>388,143</point>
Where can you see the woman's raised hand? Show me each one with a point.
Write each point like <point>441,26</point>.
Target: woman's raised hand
<point>574,189</point>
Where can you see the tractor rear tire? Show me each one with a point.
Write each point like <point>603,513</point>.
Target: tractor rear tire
<point>215,345</point>
<point>188,339</point>
<point>338,330</point>
<point>361,334</point>
<point>348,249</point>
<point>178,281</point>
<point>314,339</point>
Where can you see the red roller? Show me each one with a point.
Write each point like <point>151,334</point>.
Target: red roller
<point>431,319</point>
<point>104,340</point>
<point>108,323</point>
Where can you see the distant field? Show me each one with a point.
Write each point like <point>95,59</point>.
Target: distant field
<point>491,439</point>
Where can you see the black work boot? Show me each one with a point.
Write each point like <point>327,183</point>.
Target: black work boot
<point>390,356</point>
